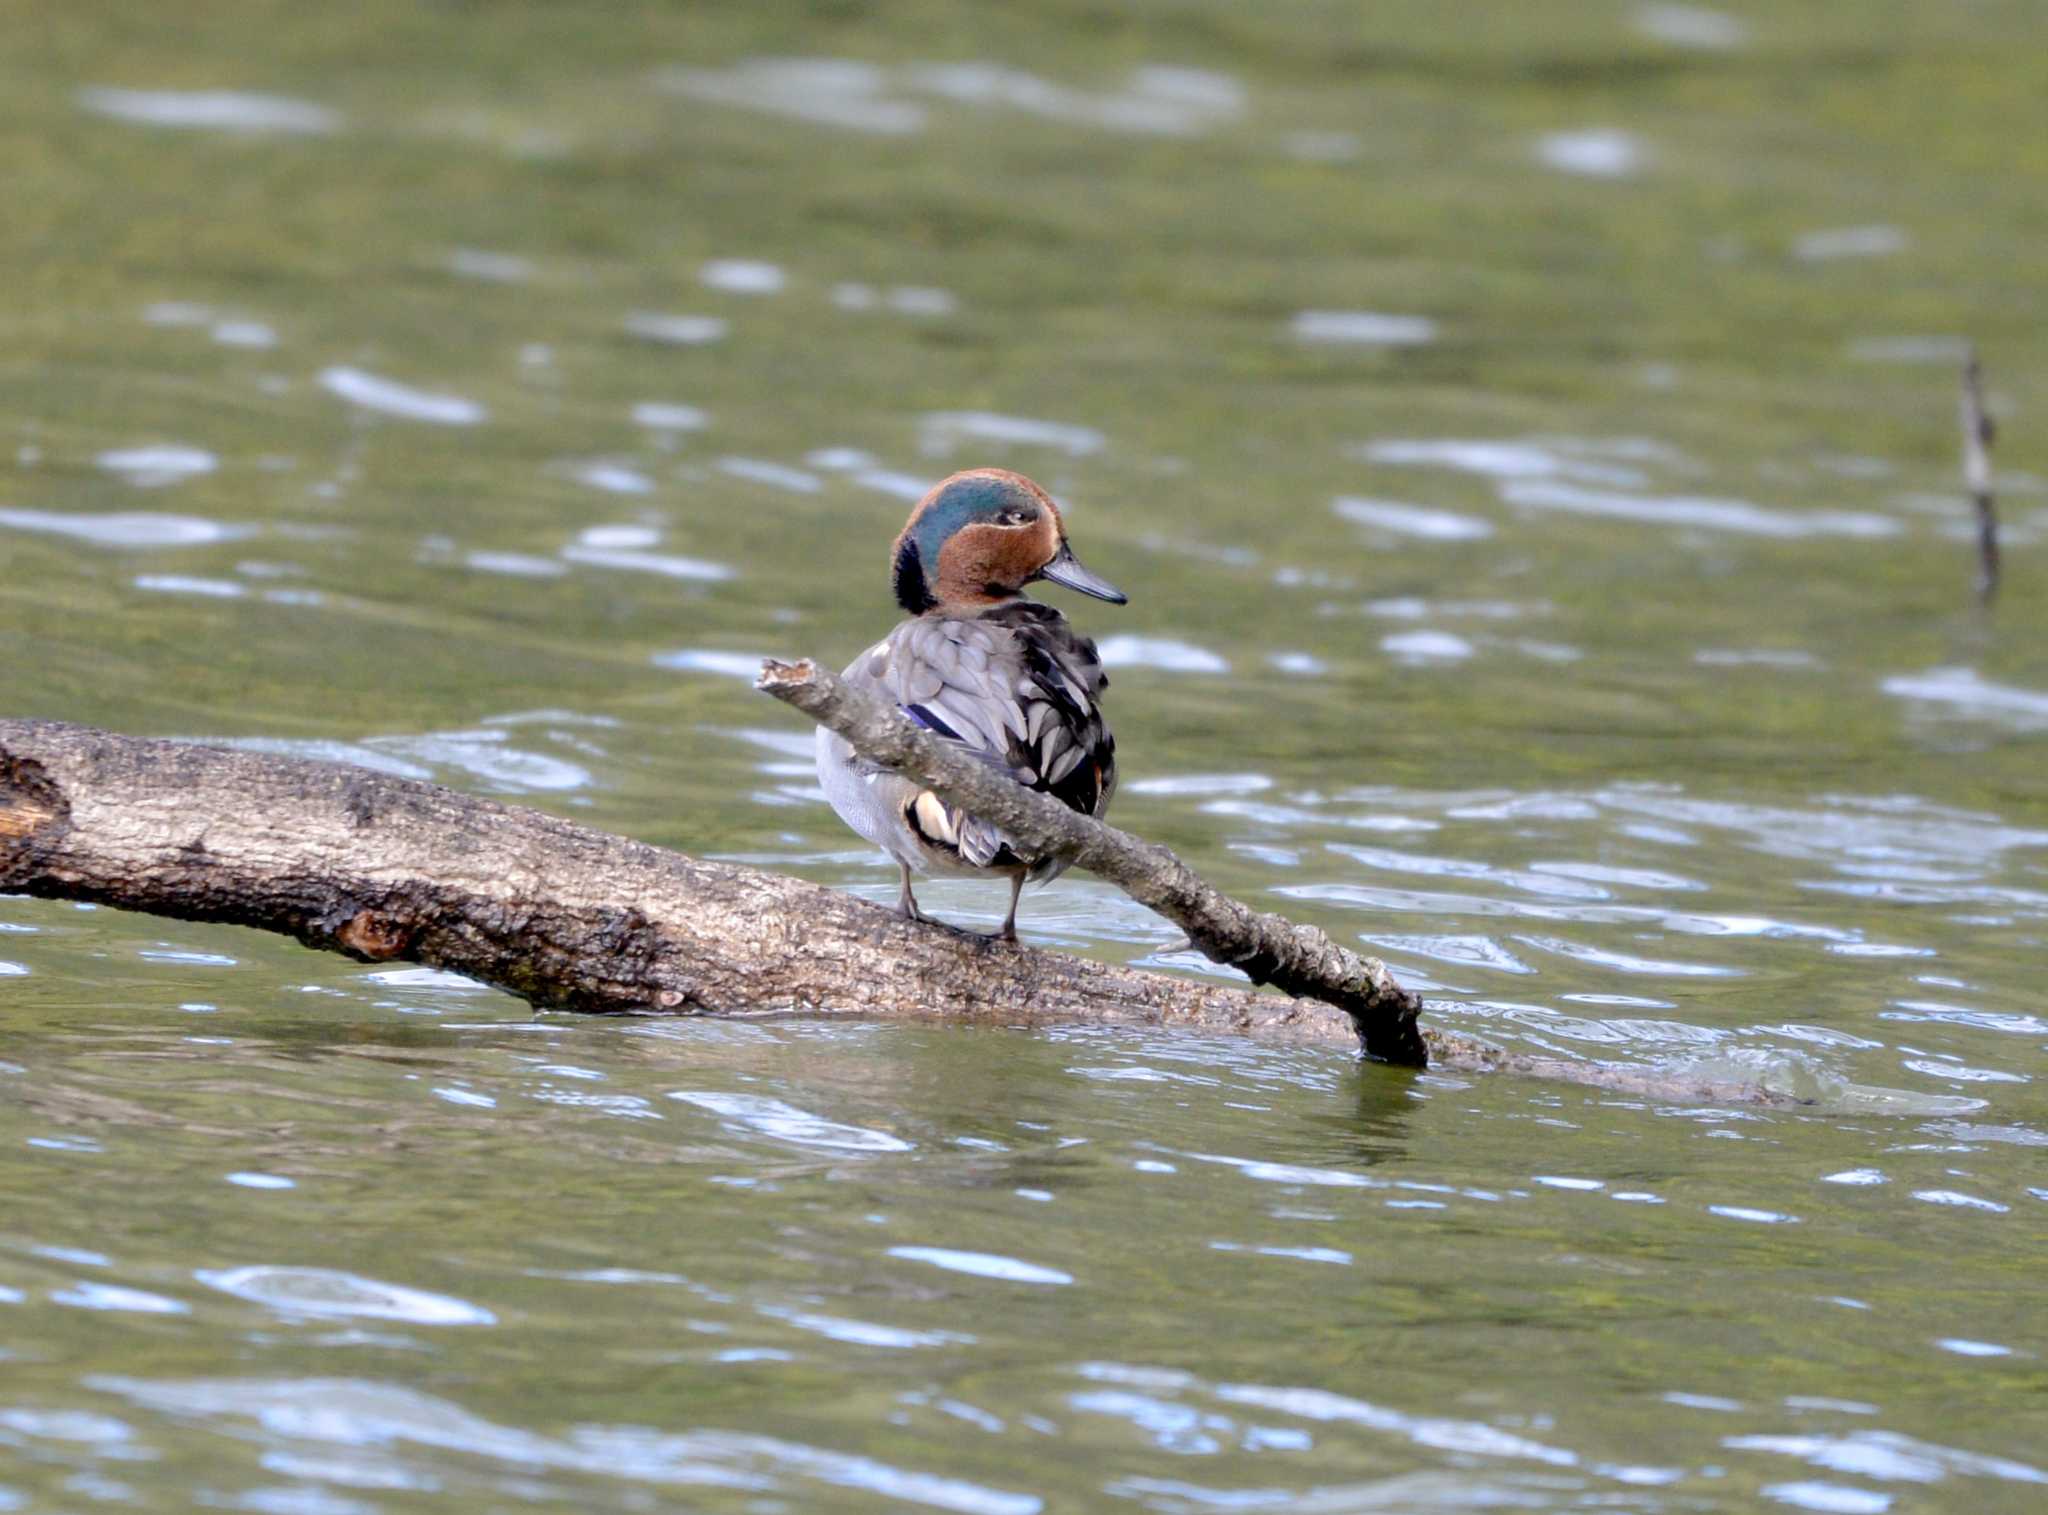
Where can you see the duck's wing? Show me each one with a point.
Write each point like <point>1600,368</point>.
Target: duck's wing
<point>1016,687</point>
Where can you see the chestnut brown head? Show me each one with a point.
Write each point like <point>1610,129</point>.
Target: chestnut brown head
<point>979,537</point>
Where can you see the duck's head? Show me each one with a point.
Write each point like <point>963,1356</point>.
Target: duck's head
<point>979,537</point>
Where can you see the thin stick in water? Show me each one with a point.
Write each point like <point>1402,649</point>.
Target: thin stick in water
<point>1979,432</point>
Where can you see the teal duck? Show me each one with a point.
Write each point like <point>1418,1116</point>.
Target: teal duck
<point>978,663</point>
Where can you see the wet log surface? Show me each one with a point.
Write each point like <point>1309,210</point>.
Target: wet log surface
<point>388,869</point>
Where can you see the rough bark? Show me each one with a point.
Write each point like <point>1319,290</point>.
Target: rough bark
<point>387,869</point>
<point>1267,949</point>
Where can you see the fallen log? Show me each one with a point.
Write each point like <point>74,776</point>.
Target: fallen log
<point>388,869</point>
<point>383,868</point>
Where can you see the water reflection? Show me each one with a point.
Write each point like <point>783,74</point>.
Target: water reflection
<point>658,416</point>
<point>1593,152</point>
<point>947,431</point>
<point>1692,26</point>
<point>1964,692</point>
<point>383,1418</point>
<point>677,330</point>
<point>210,110</point>
<point>855,96</point>
<point>773,1118</point>
<point>124,529</point>
<point>485,758</point>
<point>155,466</point>
<point>390,397</point>
<point>983,1265</point>
<point>324,1293</point>
<point>742,276</point>
<point>1412,520</point>
<point>1364,328</point>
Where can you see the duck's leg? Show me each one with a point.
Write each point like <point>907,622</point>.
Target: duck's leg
<point>906,902</point>
<point>1007,932</point>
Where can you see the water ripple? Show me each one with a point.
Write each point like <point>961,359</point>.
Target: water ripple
<point>602,547</point>
<point>983,1265</point>
<point>742,276</point>
<point>1692,26</point>
<point>326,1293</point>
<point>1963,691</point>
<point>210,110</point>
<point>117,1298</point>
<point>364,1415</point>
<point>1887,1455</point>
<point>1466,1436</point>
<point>863,1333</point>
<point>676,330</point>
<point>158,465</point>
<point>1596,152</point>
<point>661,416</point>
<point>1362,328</point>
<point>783,1122</point>
<point>1425,522</point>
<point>1738,516</point>
<point>835,92</point>
<point>389,397</point>
<point>945,430</point>
<point>1173,102</point>
<point>130,529</point>
<point>1126,651</point>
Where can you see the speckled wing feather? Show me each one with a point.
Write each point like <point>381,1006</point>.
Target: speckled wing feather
<point>1016,686</point>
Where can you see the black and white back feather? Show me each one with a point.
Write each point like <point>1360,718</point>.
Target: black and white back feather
<point>1016,686</point>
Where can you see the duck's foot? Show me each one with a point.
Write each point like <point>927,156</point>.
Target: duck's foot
<point>907,907</point>
<point>998,934</point>
<point>1007,932</point>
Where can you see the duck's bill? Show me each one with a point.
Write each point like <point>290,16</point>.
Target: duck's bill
<point>1066,569</point>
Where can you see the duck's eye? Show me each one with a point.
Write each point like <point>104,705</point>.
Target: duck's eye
<point>1011,518</point>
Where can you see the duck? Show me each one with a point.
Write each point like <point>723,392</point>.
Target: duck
<point>977,662</point>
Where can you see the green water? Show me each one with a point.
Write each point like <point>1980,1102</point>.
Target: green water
<point>1527,435</point>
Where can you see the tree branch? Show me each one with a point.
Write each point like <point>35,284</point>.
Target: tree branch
<point>1268,949</point>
